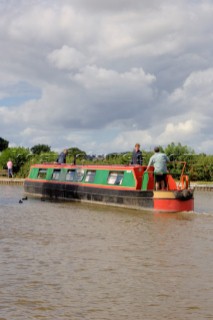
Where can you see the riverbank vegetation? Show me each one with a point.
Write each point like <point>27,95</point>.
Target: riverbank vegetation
<point>199,167</point>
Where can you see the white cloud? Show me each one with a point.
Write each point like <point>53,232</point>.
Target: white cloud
<point>102,76</point>
<point>8,116</point>
<point>67,58</point>
<point>127,139</point>
<point>91,76</point>
<point>181,131</point>
<point>195,96</point>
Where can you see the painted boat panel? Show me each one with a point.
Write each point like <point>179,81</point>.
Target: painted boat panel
<point>173,206</point>
<point>127,186</point>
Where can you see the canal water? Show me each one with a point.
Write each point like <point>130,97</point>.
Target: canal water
<point>73,261</point>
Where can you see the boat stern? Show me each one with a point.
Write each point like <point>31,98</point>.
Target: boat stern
<point>173,201</point>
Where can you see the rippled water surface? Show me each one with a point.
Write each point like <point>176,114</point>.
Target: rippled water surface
<point>73,261</point>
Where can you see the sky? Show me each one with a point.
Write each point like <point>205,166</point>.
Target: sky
<point>104,75</point>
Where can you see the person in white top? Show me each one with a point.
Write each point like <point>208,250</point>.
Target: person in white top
<point>159,160</point>
<point>10,169</point>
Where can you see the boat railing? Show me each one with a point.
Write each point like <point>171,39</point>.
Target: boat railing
<point>183,182</point>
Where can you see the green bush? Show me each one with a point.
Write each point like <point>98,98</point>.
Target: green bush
<point>17,155</point>
<point>199,167</point>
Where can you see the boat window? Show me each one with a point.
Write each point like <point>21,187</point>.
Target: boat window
<point>70,175</point>
<point>90,176</point>
<point>56,174</point>
<point>42,173</point>
<point>115,178</point>
<point>79,175</point>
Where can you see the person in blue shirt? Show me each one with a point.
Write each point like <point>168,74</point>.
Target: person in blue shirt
<point>159,160</point>
<point>137,155</point>
<point>62,156</point>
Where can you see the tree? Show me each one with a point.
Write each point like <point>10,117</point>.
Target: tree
<point>75,151</point>
<point>178,151</point>
<point>40,148</point>
<point>3,144</point>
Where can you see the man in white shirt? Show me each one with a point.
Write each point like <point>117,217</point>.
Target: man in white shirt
<point>159,160</point>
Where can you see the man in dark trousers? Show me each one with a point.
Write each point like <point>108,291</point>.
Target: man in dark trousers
<point>159,160</point>
<point>137,155</point>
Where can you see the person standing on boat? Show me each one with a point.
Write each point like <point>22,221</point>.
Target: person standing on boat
<point>62,156</point>
<point>159,160</point>
<point>137,155</point>
<point>10,169</point>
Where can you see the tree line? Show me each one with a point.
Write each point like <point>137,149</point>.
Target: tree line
<point>199,167</point>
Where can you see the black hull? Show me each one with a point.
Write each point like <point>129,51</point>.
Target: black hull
<point>72,192</point>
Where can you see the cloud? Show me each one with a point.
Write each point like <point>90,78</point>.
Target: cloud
<point>102,76</point>
<point>181,131</point>
<point>92,76</point>
<point>67,58</point>
<point>196,89</point>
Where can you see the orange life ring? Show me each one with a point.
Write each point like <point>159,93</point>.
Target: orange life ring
<point>184,182</point>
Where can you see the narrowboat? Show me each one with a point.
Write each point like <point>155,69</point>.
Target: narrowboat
<point>129,186</point>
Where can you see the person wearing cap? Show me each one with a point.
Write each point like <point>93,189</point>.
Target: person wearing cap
<point>62,156</point>
<point>159,160</point>
<point>137,155</point>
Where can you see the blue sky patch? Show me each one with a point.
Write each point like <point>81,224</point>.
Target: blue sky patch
<point>18,94</point>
